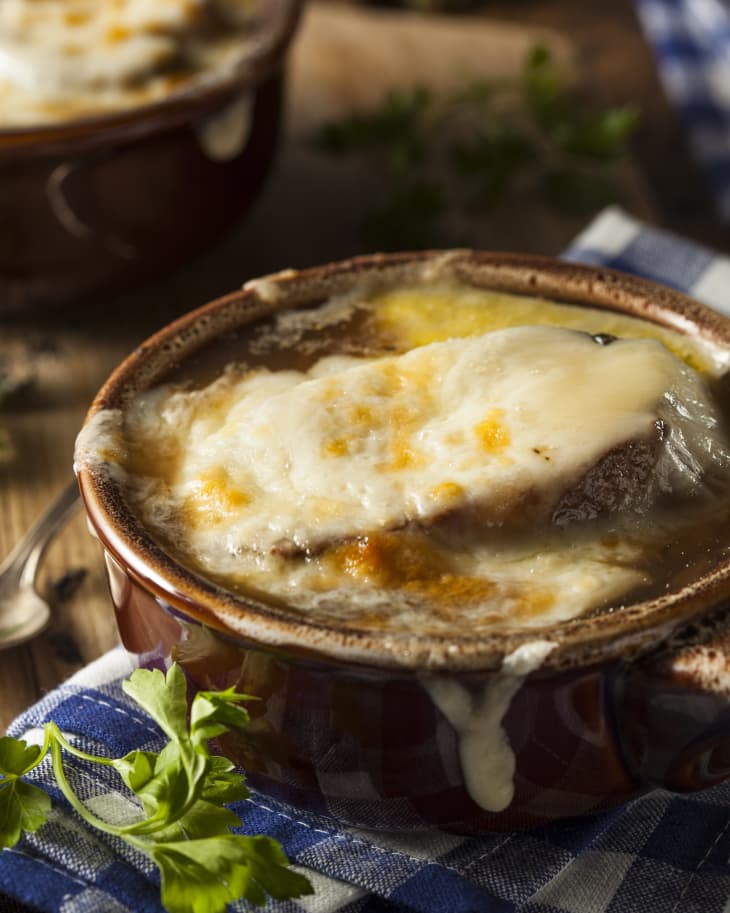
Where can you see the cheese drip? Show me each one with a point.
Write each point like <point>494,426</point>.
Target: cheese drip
<point>487,758</point>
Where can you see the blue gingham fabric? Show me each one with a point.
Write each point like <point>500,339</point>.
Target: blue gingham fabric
<point>617,240</point>
<point>691,43</point>
<point>661,853</point>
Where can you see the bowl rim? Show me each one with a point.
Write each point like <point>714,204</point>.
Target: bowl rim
<point>267,44</point>
<point>582,641</point>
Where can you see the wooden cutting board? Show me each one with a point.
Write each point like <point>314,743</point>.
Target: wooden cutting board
<point>345,58</point>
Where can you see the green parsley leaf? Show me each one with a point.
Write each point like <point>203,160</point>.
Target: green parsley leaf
<point>17,757</point>
<point>167,794</point>
<point>215,712</point>
<point>203,819</point>
<point>136,769</point>
<point>222,783</point>
<point>268,863</point>
<point>180,766</point>
<point>184,824</point>
<point>201,876</point>
<point>164,698</point>
<point>23,807</point>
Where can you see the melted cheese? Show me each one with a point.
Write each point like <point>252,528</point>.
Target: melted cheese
<point>61,59</point>
<point>497,425</point>
<point>438,487</point>
<point>416,316</point>
<point>487,758</point>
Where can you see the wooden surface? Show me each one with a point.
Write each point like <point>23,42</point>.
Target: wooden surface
<point>344,57</point>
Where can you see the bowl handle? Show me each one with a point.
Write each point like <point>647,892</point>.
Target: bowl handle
<point>65,205</point>
<point>673,710</point>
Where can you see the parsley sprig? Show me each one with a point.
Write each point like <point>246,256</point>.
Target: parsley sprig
<point>183,791</point>
<point>531,137</point>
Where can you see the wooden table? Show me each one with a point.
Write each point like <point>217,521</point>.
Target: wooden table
<point>306,214</point>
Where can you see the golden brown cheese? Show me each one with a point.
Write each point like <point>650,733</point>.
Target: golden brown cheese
<point>491,426</point>
<point>430,487</point>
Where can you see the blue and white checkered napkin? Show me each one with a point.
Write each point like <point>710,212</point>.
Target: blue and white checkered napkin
<point>659,854</point>
<point>691,42</point>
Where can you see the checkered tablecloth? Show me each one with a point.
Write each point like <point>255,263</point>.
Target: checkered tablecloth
<point>691,43</point>
<point>660,854</point>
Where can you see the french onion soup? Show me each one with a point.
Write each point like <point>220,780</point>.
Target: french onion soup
<point>433,457</point>
<point>65,59</point>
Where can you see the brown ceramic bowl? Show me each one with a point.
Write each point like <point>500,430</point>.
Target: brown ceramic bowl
<point>105,201</point>
<point>625,701</point>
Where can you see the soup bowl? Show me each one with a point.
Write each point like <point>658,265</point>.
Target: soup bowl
<point>461,730</point>
<point>107,199</point>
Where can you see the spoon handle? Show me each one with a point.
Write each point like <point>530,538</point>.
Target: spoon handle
<point>25,557</point>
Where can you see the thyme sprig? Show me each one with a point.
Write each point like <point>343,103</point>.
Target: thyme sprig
<point>469,148</point>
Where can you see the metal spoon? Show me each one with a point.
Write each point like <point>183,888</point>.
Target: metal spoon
<point>23,612</point>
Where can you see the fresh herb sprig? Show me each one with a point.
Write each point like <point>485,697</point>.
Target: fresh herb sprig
<point>464,151</point>
<point>183,791</point>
